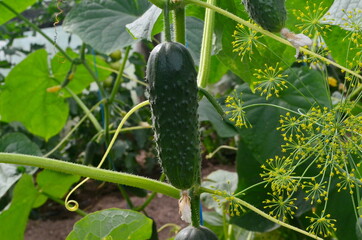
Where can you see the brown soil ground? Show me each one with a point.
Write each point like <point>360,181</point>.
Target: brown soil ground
<point>54,222</point>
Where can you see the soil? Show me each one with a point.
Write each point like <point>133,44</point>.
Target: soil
<point>53,222</point>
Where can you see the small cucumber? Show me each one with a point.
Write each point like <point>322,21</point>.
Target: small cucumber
<point>173,99</point>
<point>269,14</point>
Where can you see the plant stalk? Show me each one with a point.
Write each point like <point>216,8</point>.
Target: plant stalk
<point>85,109</point>
<point>119,76</point>
<point>195,206</point>
<point>179,23</point>
<point>206,46</point>
<point>91,172</point>
<point>167,27</point>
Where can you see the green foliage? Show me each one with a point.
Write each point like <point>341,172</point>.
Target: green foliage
<point>81,78</point>
<point>18,6</point>
<point>48,112</point>
<point>54,184</point>
<point>105,28</point>
<point>113,224</point>
<point>299,150</point>
<point>13,220</point>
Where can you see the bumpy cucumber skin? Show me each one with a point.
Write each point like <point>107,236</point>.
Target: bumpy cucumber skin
<point>173,90</point>
<point>199,233</point>
<point>269,14</point>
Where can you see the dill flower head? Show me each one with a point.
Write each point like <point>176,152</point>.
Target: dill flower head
<point>235,112</point>
<point>271,81</point>
<point>245,41</point>
<point>316,191</point>
<point>281,207</point>
<point>322,225</point>
<point>311,18</point>
<point>278,172</point>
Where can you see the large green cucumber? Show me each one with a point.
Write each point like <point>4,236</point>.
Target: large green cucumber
<point>173,98</point>
<point>269,14</point>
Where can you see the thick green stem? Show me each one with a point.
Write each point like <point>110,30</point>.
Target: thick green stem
<point>195,206</point>
<point>206,46</point>
<point>213,101</point>
<point>269,34</point>
<point>166,17</point>
<point>354,93</point>
<point>119,75</point>
<point>179,23</point>
<point>33,26</point>
<point>91,172</point>
<point>150,197</point>
<point>85,109</point>
<point>216,106</point>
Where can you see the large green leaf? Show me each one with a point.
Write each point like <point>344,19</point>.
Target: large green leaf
<point>24,97</point>
<point>112,224</point>
<point>142,27</point>
<point>342,52</point>
<point>19,6</point>
<point>15,143</point>
<point>13,220</point>
<point>341,208</point>
<point>53,183</point>
<point>81,78</point>
<point>102,23</point>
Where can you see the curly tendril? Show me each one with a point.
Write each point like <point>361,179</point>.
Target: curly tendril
<point>73,205</point>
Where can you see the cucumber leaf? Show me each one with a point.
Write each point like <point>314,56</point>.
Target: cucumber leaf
<point>13,220</point>
<point>19,6</point>
<point>112,224</point>
<point>102,23</point>
<point>24,97</point>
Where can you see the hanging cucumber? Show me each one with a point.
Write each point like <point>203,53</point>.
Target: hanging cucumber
<point>173,99</point>
<point>269,14</point>
<point>193,233</point>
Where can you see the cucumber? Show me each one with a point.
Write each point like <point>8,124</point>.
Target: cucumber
<point>193,233</point>
<point>269,14</point>
<point>173,96</point>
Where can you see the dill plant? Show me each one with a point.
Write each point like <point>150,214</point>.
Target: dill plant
<point>322,149</point>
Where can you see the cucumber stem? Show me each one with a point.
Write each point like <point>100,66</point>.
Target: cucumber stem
<point>166,22</point>
<point>89,114</point>
<point>206,46</point>
<point>91,172</point>
<point>179,23</point>
<point>195,206</point>
<point>119,76</point>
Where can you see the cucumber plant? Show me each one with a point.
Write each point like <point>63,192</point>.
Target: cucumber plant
<point>296,152</point>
